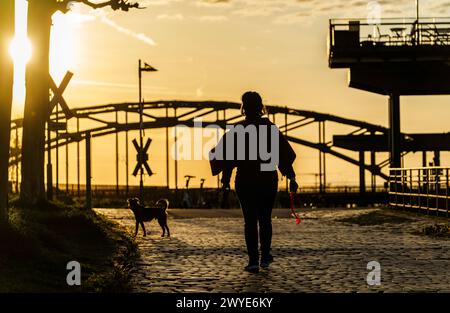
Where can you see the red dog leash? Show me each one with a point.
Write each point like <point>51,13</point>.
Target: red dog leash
<point>294,214</point>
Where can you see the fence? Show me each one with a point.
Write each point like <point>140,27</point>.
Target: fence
<point>425,189</point>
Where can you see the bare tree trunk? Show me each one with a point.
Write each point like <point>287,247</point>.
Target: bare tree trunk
<point>36,102</point>
<point>6,94</point>
<point>37,99</point>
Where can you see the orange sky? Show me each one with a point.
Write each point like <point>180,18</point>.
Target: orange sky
<point>216,50</point>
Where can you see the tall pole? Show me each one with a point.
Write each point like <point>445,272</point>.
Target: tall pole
<point>88,171</point>
<point>324,159</point>
<point>176,152</point>
<point>126,153</point>
<point>141,181</point>
<point>117,155</point>
<point>49,163</point>
<point>67,165</point>
<point>362,177</point>
<point>167,150</point>
<point>320,159</point>
<point>373,165</point>
<point>78,158</point>
<point>17,159</point>
<point>394,130</point>
<point>417,10</point>
<point>285,134</point>
<point>217,138</point>
<point>57,150</point>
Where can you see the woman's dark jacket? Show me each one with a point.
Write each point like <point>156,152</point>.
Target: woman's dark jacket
<point>241,147</point>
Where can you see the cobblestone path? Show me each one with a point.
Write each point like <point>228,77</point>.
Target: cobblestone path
<point>323,254</point>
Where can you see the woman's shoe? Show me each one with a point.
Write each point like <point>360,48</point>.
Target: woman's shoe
<point>265,262</point>
<point>252,268</point>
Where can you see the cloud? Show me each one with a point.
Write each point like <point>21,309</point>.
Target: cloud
<point>117,85</point>
<point>213,3</point>
<point>149,3</point>
<point>78,16</point>
<point>258,11</point>
<point>138,36</point>
<point>292,18</point>
<point>171,17</point>
<point>213,18</point>
<point>199,92</point>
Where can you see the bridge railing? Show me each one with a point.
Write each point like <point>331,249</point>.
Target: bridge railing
<point>389,32</point>
<point>425,189</point>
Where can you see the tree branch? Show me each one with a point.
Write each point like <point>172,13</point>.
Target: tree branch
<point>124,5</point>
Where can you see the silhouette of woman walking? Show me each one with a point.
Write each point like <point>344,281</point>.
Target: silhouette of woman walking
<point>256,148</point>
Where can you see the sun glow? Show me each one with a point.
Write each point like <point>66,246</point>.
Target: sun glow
<point>62,50</point>
<point>21,52</point>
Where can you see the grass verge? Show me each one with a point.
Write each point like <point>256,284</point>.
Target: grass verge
<point>38,242</point>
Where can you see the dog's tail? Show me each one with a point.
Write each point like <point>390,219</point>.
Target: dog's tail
<point>163,202</point>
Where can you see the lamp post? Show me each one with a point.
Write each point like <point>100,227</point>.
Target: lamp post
<point>145,68</point>
<point>417,11</point>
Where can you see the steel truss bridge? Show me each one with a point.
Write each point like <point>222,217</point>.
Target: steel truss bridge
<point>168,114</point>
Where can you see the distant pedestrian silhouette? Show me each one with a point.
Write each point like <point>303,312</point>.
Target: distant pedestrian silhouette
<point>256,181</point>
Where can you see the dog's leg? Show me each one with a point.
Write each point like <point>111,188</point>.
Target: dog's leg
<point>143,227</point>
<point>168,231</point>
<point>161,223</point>
<point>136,229</point>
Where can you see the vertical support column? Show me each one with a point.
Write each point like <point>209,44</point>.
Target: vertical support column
<point>126,153</point>
<point>394,130</point>
<point>424,163</point>
<point>320,160</point>
<point>224,119</point>
<point>362,176</point>
<point>167,150</point>
<point>373,176</point>
<point>217,137</point>
<point>17,159</point>
<point>424,159</point>
<point>117,154</point>
<point>67,164</point>
<point>78,157</point>
<point>88,171</point>
<point>286,133</point>
<point>57,151</point>
<point>176,151</point>
<point>437,158</point>
<point>141,139</point>
<point>324,159</point>
<point>437,162</point>
<point>49,162</point>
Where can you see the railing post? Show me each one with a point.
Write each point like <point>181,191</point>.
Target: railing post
<point>410,188</point>
<point>437,182</point>
<point>446,191</point>
<point>403,178</point>
<point>419,189</point>
<point>428,191</point>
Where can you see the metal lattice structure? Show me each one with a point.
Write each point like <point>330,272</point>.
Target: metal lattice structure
<point>168,114</point>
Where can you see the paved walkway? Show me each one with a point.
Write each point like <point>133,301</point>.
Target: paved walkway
<point>323,254</point>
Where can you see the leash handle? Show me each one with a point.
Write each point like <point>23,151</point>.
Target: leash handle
<point>294,214</point>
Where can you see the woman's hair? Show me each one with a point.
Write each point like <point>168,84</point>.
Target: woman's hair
<point>252,106</point>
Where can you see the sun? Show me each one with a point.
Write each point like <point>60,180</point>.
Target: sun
<point>62,50</point>
<point>20,50</point>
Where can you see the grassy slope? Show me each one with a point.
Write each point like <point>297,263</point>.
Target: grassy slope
<point>39,242</point>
